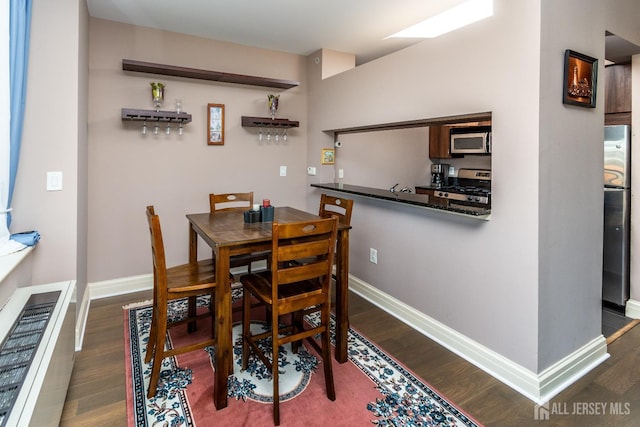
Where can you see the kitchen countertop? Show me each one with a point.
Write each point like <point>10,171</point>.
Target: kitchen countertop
<point>412,199</point>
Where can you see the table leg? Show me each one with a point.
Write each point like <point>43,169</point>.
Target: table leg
<point>224,345</point>
<point>193,245</point>
<point>342,295</point>
<point>193,258</point>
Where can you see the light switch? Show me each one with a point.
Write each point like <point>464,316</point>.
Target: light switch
<point>283,171</point>
<point>340,173</point>
<point>54,181</point>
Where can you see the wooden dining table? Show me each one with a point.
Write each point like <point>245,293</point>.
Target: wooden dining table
<point>227,234</point>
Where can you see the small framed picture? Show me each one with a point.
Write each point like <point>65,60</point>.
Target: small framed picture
<point>328,156</point>
<point>215,124</point>
<point>580,77</point>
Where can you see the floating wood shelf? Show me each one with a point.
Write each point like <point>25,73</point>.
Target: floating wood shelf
<point>267,122</point>
<point>152,115</point>
<point>216,76</point>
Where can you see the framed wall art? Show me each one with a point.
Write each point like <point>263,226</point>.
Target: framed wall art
<point>215,124</point>
<point>580,78</point>
<point>328,156</point>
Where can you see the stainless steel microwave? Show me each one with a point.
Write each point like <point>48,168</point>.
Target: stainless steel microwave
<point>471,140</point>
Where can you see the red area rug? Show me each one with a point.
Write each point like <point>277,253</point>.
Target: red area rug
<point>371,388</point>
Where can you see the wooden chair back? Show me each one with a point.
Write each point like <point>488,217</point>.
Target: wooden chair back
<point>230,201</point>
<point>336,206</point>
<point>314,240</point>
<point>157,252</point>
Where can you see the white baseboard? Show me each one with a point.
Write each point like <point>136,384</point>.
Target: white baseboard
<point>125,285</point>
<point>538,387</point>
<point>632,309</point>
<point>82,314</point>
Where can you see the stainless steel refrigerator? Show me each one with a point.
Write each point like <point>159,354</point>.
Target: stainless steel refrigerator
<point>617,202</point>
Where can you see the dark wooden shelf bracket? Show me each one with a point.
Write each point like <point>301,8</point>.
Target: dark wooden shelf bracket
<point>267,122</point>
<point>216,76</point>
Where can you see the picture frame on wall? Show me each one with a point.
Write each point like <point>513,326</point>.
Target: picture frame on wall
<point>215,124</point>
<point>580,79</point>
<point>328,156</point>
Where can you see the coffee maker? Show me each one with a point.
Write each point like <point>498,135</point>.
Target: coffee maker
<point>439,175</point>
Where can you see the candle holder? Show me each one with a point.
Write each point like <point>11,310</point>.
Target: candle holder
<point>273,104</point>
<point>157,94</point>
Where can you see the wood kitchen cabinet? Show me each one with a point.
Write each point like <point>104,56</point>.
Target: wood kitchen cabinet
<point>439,139</point>
<point>617,89</point>
<point>617,94</point>
<point>427,191</point>
<point>432,198</point>
<point>439,147</point>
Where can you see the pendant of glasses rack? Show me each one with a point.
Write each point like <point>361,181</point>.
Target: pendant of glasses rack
<point>276,135</point>
<point>156,128</point>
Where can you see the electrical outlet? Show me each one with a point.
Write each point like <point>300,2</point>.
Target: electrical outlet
<point>283,171</point>
<point>311,171</point>
<point>373,255</point>
<point>452,170</point>
<point>340,173</point>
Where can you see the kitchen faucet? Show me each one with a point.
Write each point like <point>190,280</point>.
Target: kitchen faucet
<point>402,190</point>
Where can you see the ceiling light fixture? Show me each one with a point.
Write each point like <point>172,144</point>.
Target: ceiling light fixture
<point>457,17</point>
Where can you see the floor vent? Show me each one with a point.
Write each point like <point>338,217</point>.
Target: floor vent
<point>19,347</point>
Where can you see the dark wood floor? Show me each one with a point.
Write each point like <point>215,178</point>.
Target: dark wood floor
<point>96,395</point>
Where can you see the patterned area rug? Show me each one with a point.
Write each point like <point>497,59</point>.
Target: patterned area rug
<point>371,389</point>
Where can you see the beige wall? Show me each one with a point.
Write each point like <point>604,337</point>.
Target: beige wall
<point>420,252</point>
<point>128,171</point>
<point>54,139</point>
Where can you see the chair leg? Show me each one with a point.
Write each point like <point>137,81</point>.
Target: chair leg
<point>296,322</point>
<point>326,354</point>
<point>152,335</point>
<point>246,327</point>
<point>274,371</point>
<point>161,333</point>
<point>191,326</point>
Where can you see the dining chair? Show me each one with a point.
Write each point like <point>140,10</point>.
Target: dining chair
<point>331,206</point>
<point>237,202</point>
<point>290,287</point>
<point>336,206</point>
<point>181,281</point>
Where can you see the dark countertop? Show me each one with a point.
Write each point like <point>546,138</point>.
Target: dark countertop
<point>412,199</point>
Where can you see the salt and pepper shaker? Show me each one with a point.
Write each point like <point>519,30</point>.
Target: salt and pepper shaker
<point>267,211</point>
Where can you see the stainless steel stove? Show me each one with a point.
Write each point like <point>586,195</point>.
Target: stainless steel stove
<point>471,188</point>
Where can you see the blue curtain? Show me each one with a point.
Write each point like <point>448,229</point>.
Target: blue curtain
<point>19,28</point>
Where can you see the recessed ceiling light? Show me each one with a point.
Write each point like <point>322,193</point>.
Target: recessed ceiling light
<point>457,17</point>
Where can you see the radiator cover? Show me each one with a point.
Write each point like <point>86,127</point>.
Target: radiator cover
<point>36,355</point>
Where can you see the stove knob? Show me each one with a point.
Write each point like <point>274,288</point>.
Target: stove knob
<point>470,198</point>
<point>446,194</point>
